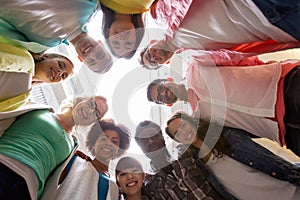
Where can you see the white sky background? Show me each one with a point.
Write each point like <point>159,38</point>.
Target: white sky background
<point>139,108</point>
<point>135,103</point>
<point>124,86</point>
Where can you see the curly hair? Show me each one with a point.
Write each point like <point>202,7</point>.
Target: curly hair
<point>98,129</point>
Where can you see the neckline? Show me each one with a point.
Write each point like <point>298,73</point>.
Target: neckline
<point>62,124</point>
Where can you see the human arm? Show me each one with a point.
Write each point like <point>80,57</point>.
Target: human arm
<point>275,148</point>
<point>265,46</point>
<point>169,14</point>
<point>245,150</point>
<point>222,57</point>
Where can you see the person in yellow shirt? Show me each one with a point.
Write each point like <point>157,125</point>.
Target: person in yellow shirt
<point>123,25</point>
<point>21,69</point>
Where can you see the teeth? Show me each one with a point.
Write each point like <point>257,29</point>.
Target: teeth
<point>189,136</point>
<point>87,50</point>
<point>52,73</point>
<point>131,184</point>
<point>105,149</point>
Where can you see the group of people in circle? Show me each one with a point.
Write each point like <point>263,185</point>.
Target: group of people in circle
<point>236,99</point>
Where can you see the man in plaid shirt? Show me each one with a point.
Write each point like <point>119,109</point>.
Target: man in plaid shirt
<point>180,179</point>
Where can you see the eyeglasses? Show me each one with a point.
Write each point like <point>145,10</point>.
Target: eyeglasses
<point>160,88</point>
<point>93,105</point>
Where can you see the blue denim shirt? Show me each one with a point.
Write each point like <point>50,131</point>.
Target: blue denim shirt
<point>283,14</point>
<point>246,151</point>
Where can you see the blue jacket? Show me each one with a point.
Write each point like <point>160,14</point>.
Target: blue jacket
<point>246,151</point>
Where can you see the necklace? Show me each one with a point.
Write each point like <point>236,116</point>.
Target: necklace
<point>100,167</point>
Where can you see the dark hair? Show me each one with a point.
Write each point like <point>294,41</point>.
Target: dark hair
<point>141,61</point>
<point>145,125</point>
<point>127,162</point>
<point>222,146</point>
<point>123,164</point>
<point>137,20</point>
<point>98,129</point>
<point>151,85</point>
<point>37,57</point>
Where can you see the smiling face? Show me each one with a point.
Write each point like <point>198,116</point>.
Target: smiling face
<point>151,144</point>
<point>130,180</point>
<point>157,53</point>
<point>93,54</point>
<point>107,145</point>
<point>52,69</point>
<point>89,110</point>
<point>164,93</point>
<point>182,131</point>
<point>122,38</point>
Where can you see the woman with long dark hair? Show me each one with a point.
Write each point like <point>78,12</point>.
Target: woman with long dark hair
<point>123,25</point>
<point>246,169</point>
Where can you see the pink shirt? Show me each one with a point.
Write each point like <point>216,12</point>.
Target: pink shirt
<point>170,13</point>
<point>215,24</point>
<point>250,98</point>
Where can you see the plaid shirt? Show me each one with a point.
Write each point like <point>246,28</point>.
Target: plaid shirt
<point>183,179</point>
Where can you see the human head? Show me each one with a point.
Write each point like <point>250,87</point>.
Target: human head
<point>129,176</point>
<point>101,133</point>
<point>185,129</point>
<point>182,128</point>
<point>155,54</point>
<point>92,53</point>
<point>165,91</point>
<point>131,37</point>
<point>149,137</point>
<point>85,110</point>
<point>51,68</point>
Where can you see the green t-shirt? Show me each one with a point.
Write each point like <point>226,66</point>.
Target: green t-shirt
<point>37,140</point>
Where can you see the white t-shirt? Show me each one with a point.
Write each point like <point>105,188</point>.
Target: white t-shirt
<point>216,24</point>
<point>247,183</point>
<point>82,183</point>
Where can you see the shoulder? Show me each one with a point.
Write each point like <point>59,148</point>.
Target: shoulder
<point>113,191</point>
<point>29,106</point>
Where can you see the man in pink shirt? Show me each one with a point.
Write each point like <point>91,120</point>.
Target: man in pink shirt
<point>261,98</point>
<point>219,24</point>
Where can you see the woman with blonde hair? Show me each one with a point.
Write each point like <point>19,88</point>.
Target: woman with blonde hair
<point>37,140</point>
